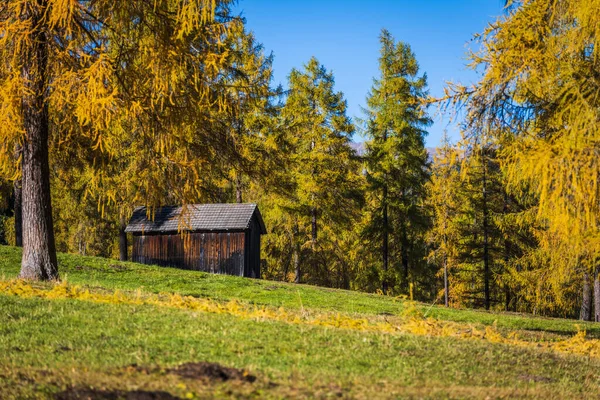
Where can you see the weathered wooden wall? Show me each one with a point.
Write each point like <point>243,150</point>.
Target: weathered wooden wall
<point>253,244</point>
<point>221,253</point>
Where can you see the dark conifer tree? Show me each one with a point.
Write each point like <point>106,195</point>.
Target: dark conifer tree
<point>397,162</point>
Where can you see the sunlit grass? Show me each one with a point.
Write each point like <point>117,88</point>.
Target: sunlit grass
<point>299,341</point>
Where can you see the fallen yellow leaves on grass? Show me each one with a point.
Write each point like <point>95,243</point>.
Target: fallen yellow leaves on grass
<point>411,322</point>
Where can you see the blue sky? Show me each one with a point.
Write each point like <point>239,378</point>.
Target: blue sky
<point>343,35</point>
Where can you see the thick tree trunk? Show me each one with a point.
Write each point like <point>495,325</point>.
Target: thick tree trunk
<point>123,245</point>
<point>486,256</point>
<point>586,303</point>
<point>597,294</point>
<point>39,252</point>
<point>18,211</point>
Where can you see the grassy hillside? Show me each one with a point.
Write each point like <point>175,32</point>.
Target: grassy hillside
<point>123,330</point>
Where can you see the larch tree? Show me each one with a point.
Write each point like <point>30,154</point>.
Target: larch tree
<point>320,133</point>
<point>397,161</point>
<point>100,74</point>
<point>444,202</point>
<point>247,82</point>
<point>540,95</point>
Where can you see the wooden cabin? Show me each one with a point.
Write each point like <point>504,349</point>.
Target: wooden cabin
<point>217,238</point>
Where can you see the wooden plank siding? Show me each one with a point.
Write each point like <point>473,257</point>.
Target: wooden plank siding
<point>216,252</point>
<point>254,254</point>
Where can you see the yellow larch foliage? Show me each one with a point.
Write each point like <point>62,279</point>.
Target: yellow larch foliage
<point>129,83</point>
<point>538,100</point>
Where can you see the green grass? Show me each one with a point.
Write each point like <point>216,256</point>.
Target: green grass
<point>48,346</point>
<point>101,272</point>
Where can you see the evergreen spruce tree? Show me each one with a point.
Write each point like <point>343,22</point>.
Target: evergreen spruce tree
<point>397,162</point>
<point>481,245</point>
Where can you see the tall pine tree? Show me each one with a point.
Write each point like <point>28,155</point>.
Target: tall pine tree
<point>397,162</point>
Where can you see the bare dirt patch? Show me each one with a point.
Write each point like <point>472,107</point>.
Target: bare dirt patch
<point>212,372</point>
<point>95,394</point>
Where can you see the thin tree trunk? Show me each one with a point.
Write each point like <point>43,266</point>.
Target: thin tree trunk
<point>313,236</point>
<point>313,216</point>
<point>123,245</point>
<point>18,212</point>
<point>486,261</point>
<point>445,243</point>
<point>586,303</point>
<point>385,244</point>
<point>345,277</point>
<point>384,247</point>
<point>507,292</point>
<point>296,254</point>
<point>39,251</point>
<point>446,281</point>
<point>298,278</point>
<point>238,173</point>
<point>313,244</point>
<point>404,254</point>
<point>238,188</point>
<point>597,294</point>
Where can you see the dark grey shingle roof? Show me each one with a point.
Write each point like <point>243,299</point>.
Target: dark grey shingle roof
<point>198,217</point>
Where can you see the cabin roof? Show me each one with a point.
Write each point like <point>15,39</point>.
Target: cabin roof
<point>195,217</point>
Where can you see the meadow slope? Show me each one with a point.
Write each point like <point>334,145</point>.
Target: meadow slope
<point>123,330</point>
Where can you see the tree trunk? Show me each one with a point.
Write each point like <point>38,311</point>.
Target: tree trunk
<point>385,244</point>
<point>18,211</point>
<point>296,254</point>
<point>446,281</point>
<point>298,278</point>
<point>486,261</point>
<point>507,292</point>
<point>238,188</point>
<point>384,247</point>
<point>597,294</point>
<point>39,251</point>
<point>445,243</point>
<point>586,303</point>
<point>122,241</point>
<point>404,255</point>
<point>313,215</point>
<point>316,266</point>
